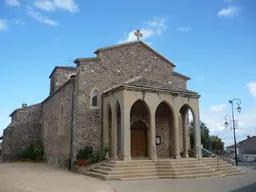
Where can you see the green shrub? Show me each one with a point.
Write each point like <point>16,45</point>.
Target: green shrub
<point>85,153</point>
<point>34,151</point>
<point>191,153</point>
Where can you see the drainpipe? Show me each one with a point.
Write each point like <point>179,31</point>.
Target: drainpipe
<point>102,122</point>
<point>71,126</point>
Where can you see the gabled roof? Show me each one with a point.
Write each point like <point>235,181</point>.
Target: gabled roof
<point>239,143</point>
<point>142,82</point>
<point>133,43</point>
<point>62,67</point>
<point>181,75</point>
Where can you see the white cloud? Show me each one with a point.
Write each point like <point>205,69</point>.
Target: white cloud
<point>219,108</point>
<point>185,29</point>
<point>245,124</point>
<point>42,19</point>
<point>231,11</point>
<point>53,5</point>
<point>152,28</point>
<point>13,3</point>
<point>252,88</point>
<point>3,24</point>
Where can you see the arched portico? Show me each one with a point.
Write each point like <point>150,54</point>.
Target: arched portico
<point>165,128</point>
<point>185,132</point>
<point>139,119</point>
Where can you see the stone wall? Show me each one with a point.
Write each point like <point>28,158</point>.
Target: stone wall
<point>56,125</point>
<point>24,128</point>
<point>60,75</point>
<point>110,68</point>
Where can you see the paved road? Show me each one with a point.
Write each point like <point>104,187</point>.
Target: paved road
<point>248,164</point>
<point>38,177</point>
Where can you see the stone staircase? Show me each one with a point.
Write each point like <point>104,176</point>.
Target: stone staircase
<point>125,170</point>
<point>221,166</point>
<point>185,168</point>
<point>165,168</point>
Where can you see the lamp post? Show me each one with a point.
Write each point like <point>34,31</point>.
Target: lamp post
<point>238,102</point>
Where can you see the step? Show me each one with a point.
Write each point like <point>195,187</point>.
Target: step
<point>124,168</point>
<point>128,165</point>
<point>100,176</point>
<point>190,176</point>
<point>186,169</point>
<point>139,178</point>
<point>180,163</point>
<point>124,172</point>
<point>233,173</point>
<point>186,172</point>
<point>229,171</point>
<point>130,162</point>
<point>138,175</point>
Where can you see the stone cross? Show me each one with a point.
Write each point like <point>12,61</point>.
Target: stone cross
<point>138,34</point>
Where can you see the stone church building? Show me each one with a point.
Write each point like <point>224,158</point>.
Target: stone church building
<point>128,97</point>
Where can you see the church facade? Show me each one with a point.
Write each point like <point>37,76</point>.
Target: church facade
<point>128,98</point>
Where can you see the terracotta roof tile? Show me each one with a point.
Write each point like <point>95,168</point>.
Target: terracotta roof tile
<point>142,82</point>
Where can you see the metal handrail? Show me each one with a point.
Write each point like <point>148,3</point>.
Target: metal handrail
<point>157,159</point>
<point>213,154</point>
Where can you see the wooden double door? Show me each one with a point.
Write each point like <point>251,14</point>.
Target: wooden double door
<point>139,139</point>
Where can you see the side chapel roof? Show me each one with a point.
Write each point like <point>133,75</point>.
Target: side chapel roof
<point>142,82</point>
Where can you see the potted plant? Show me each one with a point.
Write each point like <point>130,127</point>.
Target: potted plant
<point>83,156</point>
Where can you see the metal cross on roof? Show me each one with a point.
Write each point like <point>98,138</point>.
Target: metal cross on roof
<point>138,34</point>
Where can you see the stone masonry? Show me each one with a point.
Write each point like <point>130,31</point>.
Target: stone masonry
<point>60,75</point>
<point>111,67</point>
<point>24,128</point>
<point>51,119</point>
<point>56,125</point>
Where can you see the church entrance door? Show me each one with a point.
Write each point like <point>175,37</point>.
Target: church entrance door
<point>138,139</point>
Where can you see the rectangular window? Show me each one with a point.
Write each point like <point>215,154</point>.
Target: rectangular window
<point>94,101</point>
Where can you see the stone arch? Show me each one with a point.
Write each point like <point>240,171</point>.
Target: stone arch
<point>139,121</point>
<point>165,125</point>
<point>186,113</point>
<point>109,125</point>
<point>118,127</point>
<point>61,120</point>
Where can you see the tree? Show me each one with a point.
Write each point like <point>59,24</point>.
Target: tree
<point>217,143</point>
<point>209,142</point>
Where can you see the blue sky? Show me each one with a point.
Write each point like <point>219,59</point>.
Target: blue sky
<point>212,41</point>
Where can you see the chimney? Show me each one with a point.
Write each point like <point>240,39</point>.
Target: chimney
<point>24,105</point>
<point>248,137</point>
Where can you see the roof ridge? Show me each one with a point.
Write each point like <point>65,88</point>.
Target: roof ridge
<point>136,42</point>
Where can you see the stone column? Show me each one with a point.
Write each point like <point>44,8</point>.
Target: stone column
<point>152,130</point>
<point>197,134</point>
<point>125,131</point>
<point>114,132</point>
<point>176,135</point>
<point>105,125</point>
<point>184,116</point>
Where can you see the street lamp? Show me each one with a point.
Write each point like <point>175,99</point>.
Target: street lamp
<point>238,102</point>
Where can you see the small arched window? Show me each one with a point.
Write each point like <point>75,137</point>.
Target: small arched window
<point>72,76</point>
<point>94,97</point>
<point>61,120</point>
